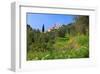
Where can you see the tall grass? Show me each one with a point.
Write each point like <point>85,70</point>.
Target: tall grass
<point>67,47</point>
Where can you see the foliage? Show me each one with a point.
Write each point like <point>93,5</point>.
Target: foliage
<point>43,29</point>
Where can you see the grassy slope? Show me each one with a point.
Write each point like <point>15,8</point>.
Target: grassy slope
<point>67,47</point>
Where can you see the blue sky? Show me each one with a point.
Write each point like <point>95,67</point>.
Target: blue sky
<point>36,20</point>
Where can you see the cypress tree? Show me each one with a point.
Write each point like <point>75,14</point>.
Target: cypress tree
<point>43,29</point>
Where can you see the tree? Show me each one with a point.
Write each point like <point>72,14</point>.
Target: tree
<point>43,29</point>
<point>62,31</point>
<point>30,36</point>
<point>82,24</point>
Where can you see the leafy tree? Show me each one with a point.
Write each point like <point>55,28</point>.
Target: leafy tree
<point>82,24</point>
<point>62,31</point>
<point>30,37</point>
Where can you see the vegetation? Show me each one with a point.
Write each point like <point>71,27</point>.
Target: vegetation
<point>68,41</point>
